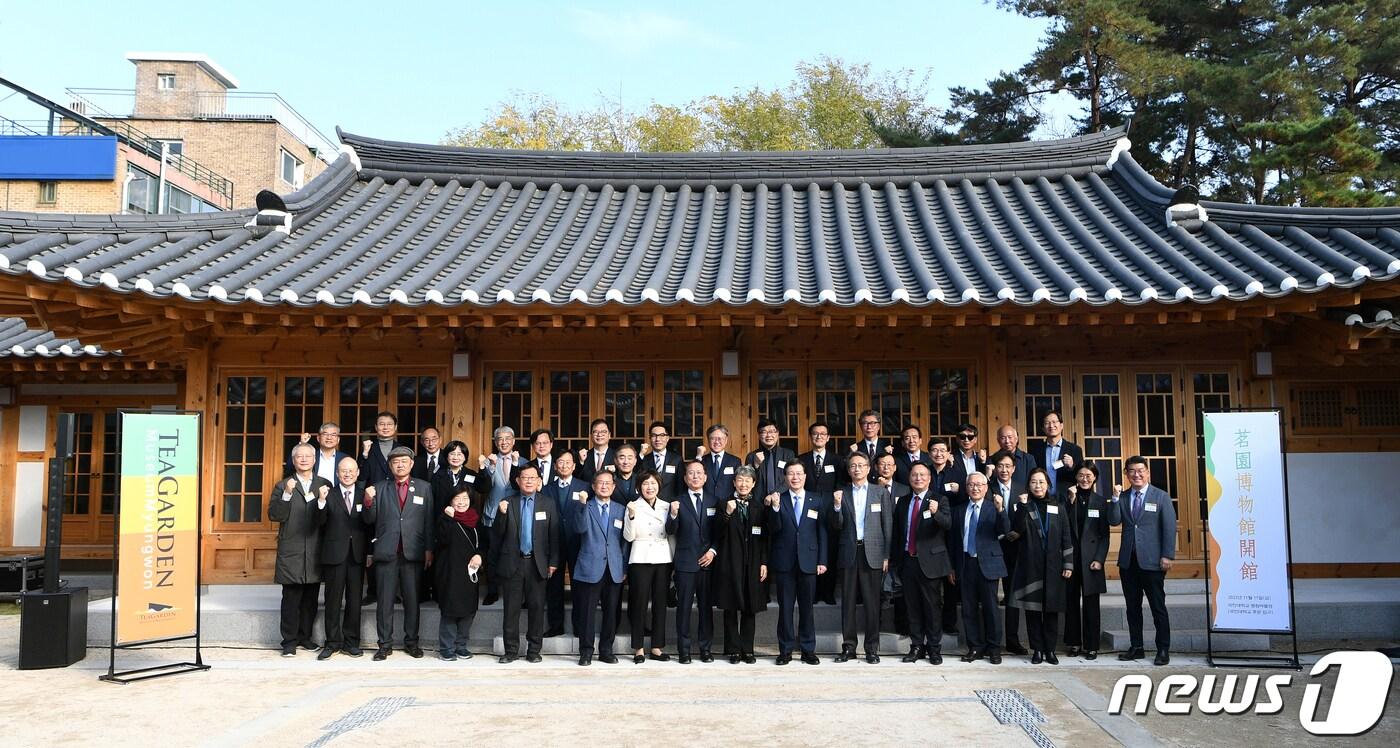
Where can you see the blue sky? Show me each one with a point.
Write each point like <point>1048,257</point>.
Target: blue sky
<point>413,70</point>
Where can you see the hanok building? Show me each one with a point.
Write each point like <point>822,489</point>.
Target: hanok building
<point>470,288</point>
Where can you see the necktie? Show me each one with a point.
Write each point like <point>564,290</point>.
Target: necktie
<point>971,543</point>
<point>597,462</point>
<point>797,509</point>
<point>660,461</point>
<point>914,510</point>
<point>527,525</point>
<point>817,465</point>
<point>432,464</point>
<point>1137,505</point>
<point>349,499</point>
<point>695,500</point>
<point>870,449</point>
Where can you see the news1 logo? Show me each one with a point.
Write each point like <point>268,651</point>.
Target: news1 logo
<point>1358,698</point>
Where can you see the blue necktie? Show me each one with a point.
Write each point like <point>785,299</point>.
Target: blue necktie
<point>972,533</point>
<point>1137,505</point>
<point>797,510</point>
<point>527,525</point>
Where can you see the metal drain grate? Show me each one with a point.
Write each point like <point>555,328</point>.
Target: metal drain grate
<point>1011,707</point>
<point>371,713</point>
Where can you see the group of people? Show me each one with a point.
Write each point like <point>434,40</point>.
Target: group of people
<point>932,526</point>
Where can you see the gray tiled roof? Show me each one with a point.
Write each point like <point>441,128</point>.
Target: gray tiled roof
<point>1372,317</point>
<point>1048,222</point>
<point>18,340</point>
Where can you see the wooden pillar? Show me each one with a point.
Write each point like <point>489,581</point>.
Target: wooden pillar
<point>9,455</point>
<point>197,394</point>
<point>1000,398</point>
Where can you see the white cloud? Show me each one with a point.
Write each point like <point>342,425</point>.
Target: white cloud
<point>638,32</point>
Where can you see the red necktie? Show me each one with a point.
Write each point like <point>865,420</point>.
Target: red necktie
<point>914,524</point>
<point>403,494</point>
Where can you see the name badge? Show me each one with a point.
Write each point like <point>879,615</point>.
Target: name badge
<point>811,514</point>
<point>1052,509</point>
<point>928,514</point>
<point>469,478</point>
<point>950,487</point>
<point>617,523</point>
<point>828,468</point>
<point>1059,464</point>
<point>1093,514</point>
<point>1150,507</point>
<point>358,507</point>
<point>541,515</point>
<point>729,471</point>
<point>710,512</point>
<point>874,508</point>
<point>781,464</point>
<point>671,468</point>
<point>755,530</point>
<point>418,500</point>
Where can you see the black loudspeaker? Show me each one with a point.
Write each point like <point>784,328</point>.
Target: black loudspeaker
<point>52,628</point>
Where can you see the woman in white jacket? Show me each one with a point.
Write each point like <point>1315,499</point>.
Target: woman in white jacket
<point>648,566</point>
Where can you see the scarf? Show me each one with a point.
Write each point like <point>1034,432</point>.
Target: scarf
<point>467,518</point>
<point>742,508</point>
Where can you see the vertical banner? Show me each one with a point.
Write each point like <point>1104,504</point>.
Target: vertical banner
<point>158,545</point>
<point>1248,529</point>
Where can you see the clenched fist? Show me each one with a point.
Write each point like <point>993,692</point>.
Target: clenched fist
<point>996,501</point>
<point>504,506</point>
<point>369,497</point>
<point>1022,498</point>
<point>757,458</point>
<point>675,509</point>
<point>291,486</point>
<point>771,499</point>
<point>322,492</point>
<point>366,444</point>
<point>836,499</point>
<point>731,506</point>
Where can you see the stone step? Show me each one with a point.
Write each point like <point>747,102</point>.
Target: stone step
<point>1189,640</point>
<point>890,644</point>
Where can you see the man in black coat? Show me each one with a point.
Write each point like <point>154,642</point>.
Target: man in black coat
<point>525,545</point>
<point>769,459</point>
<point>826,468</point>
<point>431,459</point>
<point>658,458</point>
<point>910,453</point>
<point>1060,457</point>
<point>920,552</point>
<point>344,548</point>
<point>400,511</point>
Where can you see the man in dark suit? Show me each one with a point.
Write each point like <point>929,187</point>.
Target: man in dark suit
<point>1060,456</point>
<point>666,463</point>
<point>862,521</point>
<point>564,488</point>
<point>525,539</point>
<point>769,459</point>
<point>796,527</point>
<point>910,453</point>
<point>719,464</point>
<point>884,475</point>
<point>298,506</point>
<point>690,522</point>
<point>921,554</point>
<point>374,453</point>
<point>980,565</point>
<point>599,455</point>
<point>344,548</point>
<point>871,443</point>
<point>825,467</point>
<point>1010,442</point>
<point>1145,554</point>
<point>328,454</point>
<point>966,452</point>
<point>949,483</point>
<point>430,460</point>
<point>602,559</point>
<point>400,511</point>
<point>542,454</point>
<point>1008,483</point>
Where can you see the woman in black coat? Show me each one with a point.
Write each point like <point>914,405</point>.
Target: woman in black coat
<point>1090,515</point>
<point>1043,566</point>
<point>457,567</point>
<point>455,476</point>
<point>741,567</point>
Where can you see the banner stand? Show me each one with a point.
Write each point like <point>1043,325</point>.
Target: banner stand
<point>155,671</point>
<point>1252,660</point>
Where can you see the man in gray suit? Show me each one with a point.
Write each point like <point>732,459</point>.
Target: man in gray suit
<point>503,464</point>
<point>861,518</point>
<point>1145,555</point>
<point>400,512</point>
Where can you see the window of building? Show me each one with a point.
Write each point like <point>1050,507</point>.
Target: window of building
<point>141,191</point>
<point>48,192</point>
<point>165,81</point>
<point>1343,408</point>
<point>292,170</point>
<point>176,147</point>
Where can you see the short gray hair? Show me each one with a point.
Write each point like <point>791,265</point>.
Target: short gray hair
<point>502,431</point>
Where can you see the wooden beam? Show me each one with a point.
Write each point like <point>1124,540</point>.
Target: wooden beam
<point>725,320</point>
<point>892,320</point>
<point>860,320</point>
<point>758,320</point>
<point>692,320</point>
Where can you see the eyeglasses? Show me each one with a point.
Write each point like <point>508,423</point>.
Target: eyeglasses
<point>868,423</point>
<point>967,437</point>
<point>655,434</point>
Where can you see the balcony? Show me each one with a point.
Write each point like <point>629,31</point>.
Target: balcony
<point>250,106</point>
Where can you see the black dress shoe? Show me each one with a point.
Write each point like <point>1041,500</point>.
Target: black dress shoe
<point>846,655</point>
<point>734,659</point>
<point>607,659</point>
<point>585,659</point>
<point>508,658</point>
<point>1072,652</point>
<point>1132,653</point>
<point>873,659</point>
<point>915,654</point>
<point>684,659</point>
<point>353,651</point>
<point>663,657</point>
<point>1036,659</point>
<point>289,650</point>
<point>638,659</point>
<point>490,598</point>
<point>369,601</point>
<point>1091,655</point>
<point>1051,658</point>
<point>971,656</point>
<point>749,659</point>
<point>1015,649</point>
<point>935,657</point>
<point>534,657</point>
<point>705,656</point>
<point>464,654</point>
<point>994,658</point>
<point>414,651</point>
<point>381,654</point>
<point>326,653</point>
<point>784,659</point>
<point>1162,658</point>
<point>810,658</point>
<point>554,632</point>
<point>950,630</point>
<point>308,646</point>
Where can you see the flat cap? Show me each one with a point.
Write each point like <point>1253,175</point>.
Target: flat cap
<point>401,452</point>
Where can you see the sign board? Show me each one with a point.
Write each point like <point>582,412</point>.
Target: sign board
<point>1250,588</point>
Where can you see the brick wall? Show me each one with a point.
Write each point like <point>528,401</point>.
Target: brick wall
<point>191,81</point>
